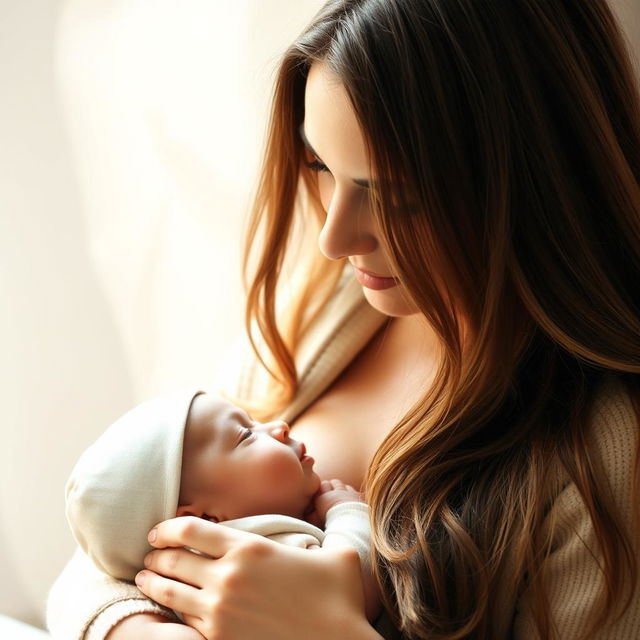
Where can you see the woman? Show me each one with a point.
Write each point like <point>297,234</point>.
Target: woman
<point>473,169</point>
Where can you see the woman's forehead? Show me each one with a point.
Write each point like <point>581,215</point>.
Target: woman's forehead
<point>331,126</point>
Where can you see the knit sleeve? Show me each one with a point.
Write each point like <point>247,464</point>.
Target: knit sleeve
<point>347,525</point>
<point>572,573</point>
<point>85,604</point>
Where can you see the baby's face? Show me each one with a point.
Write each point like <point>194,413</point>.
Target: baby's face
<point>234,467</point>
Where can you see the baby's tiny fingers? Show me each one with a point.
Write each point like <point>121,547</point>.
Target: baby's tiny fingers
<point>337,484</point>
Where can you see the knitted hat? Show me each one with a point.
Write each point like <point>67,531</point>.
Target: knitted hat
<point>128,481</point>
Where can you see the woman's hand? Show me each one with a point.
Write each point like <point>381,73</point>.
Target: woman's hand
<point>249,587</point>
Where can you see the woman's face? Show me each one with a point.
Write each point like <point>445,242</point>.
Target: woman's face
<point>336,150</point>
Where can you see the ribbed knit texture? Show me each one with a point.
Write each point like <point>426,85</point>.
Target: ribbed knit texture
<point>574,579</point>
<point>85,603</point>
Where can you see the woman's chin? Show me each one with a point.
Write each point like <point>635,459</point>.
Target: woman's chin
<point>390,302</point>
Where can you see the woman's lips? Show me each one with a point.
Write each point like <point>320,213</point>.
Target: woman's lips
<point>374,281</point>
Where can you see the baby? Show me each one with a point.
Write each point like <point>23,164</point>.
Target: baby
<point>193,453</point>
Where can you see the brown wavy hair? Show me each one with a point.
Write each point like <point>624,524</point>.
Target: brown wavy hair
<point>513,129</point>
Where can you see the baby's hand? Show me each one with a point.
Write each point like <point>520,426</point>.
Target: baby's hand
<point>331,493</point>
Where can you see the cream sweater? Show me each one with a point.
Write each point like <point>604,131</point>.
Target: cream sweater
<point>85,604</point>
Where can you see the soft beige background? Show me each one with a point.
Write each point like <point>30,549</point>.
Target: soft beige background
<point>129,136</point>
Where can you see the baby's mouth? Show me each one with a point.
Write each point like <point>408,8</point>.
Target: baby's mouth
<point>305,460</point>
<point>298,448</point>
<point>301,451</point>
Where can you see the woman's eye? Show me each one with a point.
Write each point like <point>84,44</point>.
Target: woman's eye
<point>316,165</point>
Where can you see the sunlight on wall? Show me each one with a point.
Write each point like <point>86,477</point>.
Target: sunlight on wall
<point>166,107</point>
<point>131,132</point>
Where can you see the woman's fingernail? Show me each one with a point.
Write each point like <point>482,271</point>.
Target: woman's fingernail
<point>152,534</point>
<point>140,578</point>
<point>147,560</point>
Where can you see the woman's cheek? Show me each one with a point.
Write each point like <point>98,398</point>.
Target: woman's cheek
<point>325,187</point>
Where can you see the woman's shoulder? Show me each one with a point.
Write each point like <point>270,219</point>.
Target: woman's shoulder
<point>612,435</point>
<point>573,569</point>
<point>614,429</point>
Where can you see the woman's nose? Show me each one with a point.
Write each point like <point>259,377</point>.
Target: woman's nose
<point>347,227</point>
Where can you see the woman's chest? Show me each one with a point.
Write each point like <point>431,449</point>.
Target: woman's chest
<point>343,428</point>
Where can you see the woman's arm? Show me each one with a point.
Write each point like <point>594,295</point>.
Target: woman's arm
<point>85,604</point>
<point>151,626</point>
<point>574,583</point>
<point>573,571</point>
<point>247,583</point>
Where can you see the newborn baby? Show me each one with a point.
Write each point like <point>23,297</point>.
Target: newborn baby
<point>195,454</point>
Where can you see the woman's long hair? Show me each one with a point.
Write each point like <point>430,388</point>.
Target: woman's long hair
<point>513,129</point>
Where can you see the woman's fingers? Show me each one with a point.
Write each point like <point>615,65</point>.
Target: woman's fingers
<point>249,581</point>
<point>192,621</point>
<point>171,594</point>
<point>188,531</point>
<point>183,565</point>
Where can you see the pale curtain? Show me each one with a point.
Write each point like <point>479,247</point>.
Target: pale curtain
<point>130,133</point>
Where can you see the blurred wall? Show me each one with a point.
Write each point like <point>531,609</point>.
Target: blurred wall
<point>129,136</point>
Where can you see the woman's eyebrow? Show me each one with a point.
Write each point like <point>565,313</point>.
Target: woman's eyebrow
<point>361,182</point>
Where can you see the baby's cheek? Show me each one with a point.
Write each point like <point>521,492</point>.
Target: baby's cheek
<point>315,482</point>
<point>279,471</point>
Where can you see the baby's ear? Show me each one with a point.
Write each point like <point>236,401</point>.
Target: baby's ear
<point>193,510</point>
<point>189,510</point>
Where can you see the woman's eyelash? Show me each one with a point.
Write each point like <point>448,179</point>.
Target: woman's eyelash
<point>316,165</point>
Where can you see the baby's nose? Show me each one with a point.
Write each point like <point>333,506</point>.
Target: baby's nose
<point>277,429</point>
<point>280,431</point>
